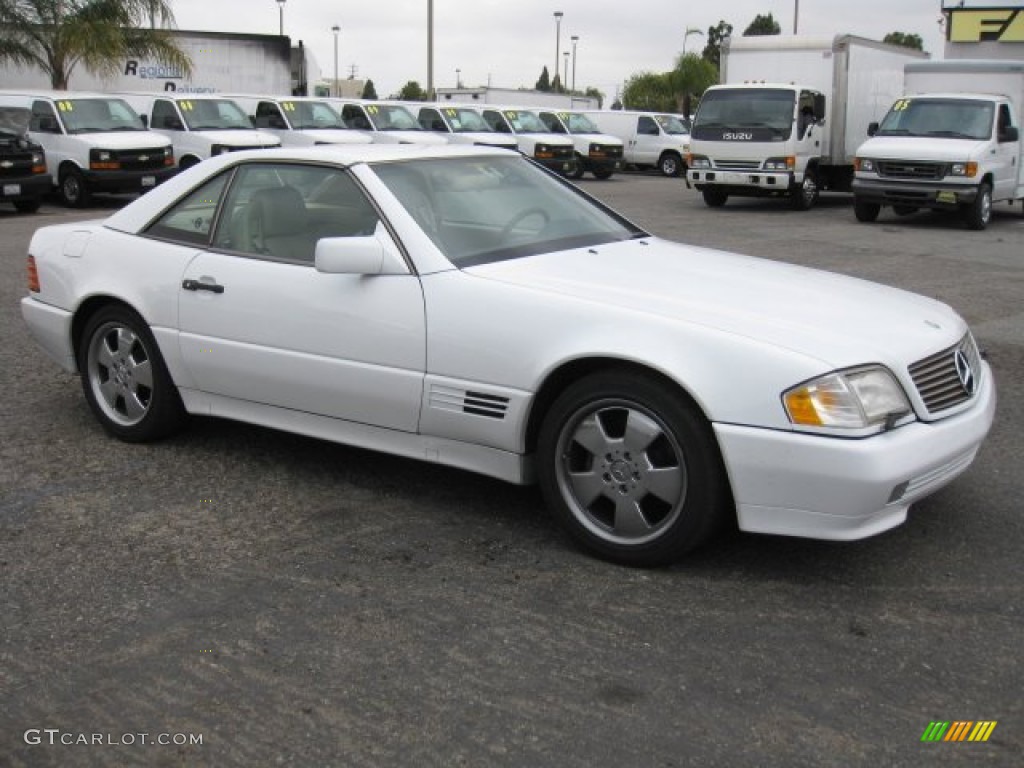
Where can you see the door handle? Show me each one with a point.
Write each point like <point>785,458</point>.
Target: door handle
<point>196,285</point>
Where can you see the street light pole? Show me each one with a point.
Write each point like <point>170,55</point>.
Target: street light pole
<point>430,49</point>
<point>575,39</point>
<point>458,78</point>
<point>796,14</point>
<point>690,31</point>
<point>336,29</point>
<point>565,76</point>
<point>280,17</point>
<point>558,40</point>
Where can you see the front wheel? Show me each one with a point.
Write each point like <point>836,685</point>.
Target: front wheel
<point>979,213</point>
<point>670,164</point>
<point>714,197</point>
<point>866,212</point>
<point>631,470</point>
<point>577,169</point>
<point>124,378</point>
<point>804,196</point>
<point>603,173</point>
<point>74,192</point>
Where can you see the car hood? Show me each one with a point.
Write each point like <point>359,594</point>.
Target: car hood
<point>920,148</point>
<point>124,139</point>
<point>490,139</point>
<point>239,138</point>
<point>334,135</point>
<point>599,138</point>
<point>841,321</point>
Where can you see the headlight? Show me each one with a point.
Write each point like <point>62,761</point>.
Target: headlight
<point>970,170</point>
<point>864,399</point>
<point>698,161</point>
<point>779,164</point>
<point>102,160</point>
<point>865,164</point>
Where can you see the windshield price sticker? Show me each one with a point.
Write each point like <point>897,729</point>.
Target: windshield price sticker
<point>65,106</point>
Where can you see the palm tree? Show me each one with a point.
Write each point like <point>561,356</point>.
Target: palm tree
<point>58,35</point>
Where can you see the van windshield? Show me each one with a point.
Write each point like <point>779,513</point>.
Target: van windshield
<point>213,115</point>
<point>392,117</point>
<point>465,120</point>
<point>745,114</point>
<point>940,118</point>
<point>98,116</point>
<point>524,122</point>
<point>311,115</point>
<point>14,120</point>
<point>578,123</point>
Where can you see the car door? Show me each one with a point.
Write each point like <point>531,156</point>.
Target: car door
<point>647,142</point>
<point>1006,157</point>
<point>259,323</point>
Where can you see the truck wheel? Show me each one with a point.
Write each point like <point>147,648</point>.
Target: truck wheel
<point>577,169</point>
<point>714,197</point>
<point>979,213</point>
<point>27,206</point>
<point>803,197</point>
<point>670,164</point>
<point>603,173</point>
<point>73,191</point>
<point>865,211</point>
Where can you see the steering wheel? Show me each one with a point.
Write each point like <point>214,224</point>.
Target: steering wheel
<point>522,215</point>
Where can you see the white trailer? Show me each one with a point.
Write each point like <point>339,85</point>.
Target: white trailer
<point>790,115</point>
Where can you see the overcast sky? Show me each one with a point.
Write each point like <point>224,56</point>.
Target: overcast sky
<point>509,42</point>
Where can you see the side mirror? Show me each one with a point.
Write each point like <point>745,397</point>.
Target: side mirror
<point>48,124</point>
<point>872,128</point>
<point>1008,134</point>
<point>357,256</point>
<point>145,120</point>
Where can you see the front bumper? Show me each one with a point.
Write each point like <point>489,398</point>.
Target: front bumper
<point>25,187</point>
<point>562,165</point>
<point>919,195</point>
<point>756,182</point>
<point>127,181</point>
<point>601,163</point>
<point>796,484</point>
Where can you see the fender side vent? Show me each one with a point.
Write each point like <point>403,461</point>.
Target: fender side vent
<point>482,404</point>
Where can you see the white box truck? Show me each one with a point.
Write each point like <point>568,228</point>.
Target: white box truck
<point>650,139</point>
<point>599,153</point>
<point>790,115</point>
<point>951,143</point>
<point>199,125</point>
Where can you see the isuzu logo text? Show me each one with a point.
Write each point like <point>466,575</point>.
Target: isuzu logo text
<point>737,136</point>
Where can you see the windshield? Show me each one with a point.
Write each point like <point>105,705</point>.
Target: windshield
<point>98,116</point>
<point>578,123</point>
<point>478,210</point>
<point>940,118</point>
<point>672,125</point>
<point>465,120</point>
<point>524,122</point>
<point>745,114</point>
<point>213,115</point>
<point>311,115</point>
<point>14,120</point>
<point>392,117</point>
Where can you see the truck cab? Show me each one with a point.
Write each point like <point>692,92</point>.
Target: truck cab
<point>460,125</point>
<point>596,152</point>
<point>199,125</point>
<point>532,137</point>
<point>758,140</point>
<point>24,178</point>
<point>299,121</point>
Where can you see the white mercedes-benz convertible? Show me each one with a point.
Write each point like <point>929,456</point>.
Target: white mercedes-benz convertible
<point>466,307</point>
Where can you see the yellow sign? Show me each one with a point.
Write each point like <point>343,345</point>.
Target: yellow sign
<point>1003,25</point>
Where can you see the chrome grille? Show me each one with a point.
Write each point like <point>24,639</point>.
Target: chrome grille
<point>948,378</point>
<point>738,165</point>
<point>141,159</point>
<point>910,169</point>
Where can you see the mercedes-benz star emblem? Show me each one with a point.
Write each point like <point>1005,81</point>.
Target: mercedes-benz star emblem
<point>964,372</point>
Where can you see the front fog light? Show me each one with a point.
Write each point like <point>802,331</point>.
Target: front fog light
<point>850,400</point>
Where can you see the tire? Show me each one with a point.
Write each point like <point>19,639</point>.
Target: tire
<point>803,197</point>
<point>74,192</point>
<point>979,213</point>
<point>714,197</point>
<point>124,377</point>
<point>866,212</point>
<point>27,206</point>
<point>603,173</point>
<point>631,470</point>
<point>577,170</point>
<point>670,164</point>
<point>187,162</point>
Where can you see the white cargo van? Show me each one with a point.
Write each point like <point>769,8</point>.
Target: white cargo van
<point>650,139</point>
<point>952,143</point>
<point>459,124</point>
<point>385,122</point>
<point>96,143</point>
<point>299,121</point>
<point>199,125</point>
<point>532,137</point>
<point>791,115</point>
<point>596,152</point>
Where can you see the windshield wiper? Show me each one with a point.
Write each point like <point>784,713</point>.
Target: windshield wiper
<point>950,134</point>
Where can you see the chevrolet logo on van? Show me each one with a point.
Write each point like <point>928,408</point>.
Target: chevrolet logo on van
<point>737,137</point>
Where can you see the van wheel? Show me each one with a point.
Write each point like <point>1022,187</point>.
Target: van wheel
<point>865,211</point>
<point>979,213</point>
<point>603,173</point>
<point>714,197</point>
<point>670,164</point>
<point>577,170</point>
<point>73,191</point>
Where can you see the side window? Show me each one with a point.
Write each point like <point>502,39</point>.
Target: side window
<point>430,120</point>
<point>43,118</point>
<point>191,220</point>
<point>1005,123</point>
<point>280,211</point>
<point>646,126</point>
<point>353,116</point>
<point>269,116</point>
<point>551,122</point>
<point>165,116</point>
<point>496,121</point>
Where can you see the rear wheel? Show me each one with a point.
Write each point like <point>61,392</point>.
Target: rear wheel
<point>670,164</point>
<point>865,211</point>
<point>73,190</point>
<point>630,469</point>
<point>979,213</point>
<point>714,197</point>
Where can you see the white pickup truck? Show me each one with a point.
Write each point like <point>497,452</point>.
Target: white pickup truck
<point>952,143</point>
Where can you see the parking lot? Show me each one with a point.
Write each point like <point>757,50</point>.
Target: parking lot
<point>293,602</point>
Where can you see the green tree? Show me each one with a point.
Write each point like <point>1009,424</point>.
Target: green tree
<point>544,81</point>
<point>369,92</point>
<point>713,50</point>
<point>763,25</point>
<point>412,91</point>
<point>691,77</point>
<point>594,93</point>
<point>904,40</point>
<point>56,36</point>
<point>556,85</point>
<point>649,91</point>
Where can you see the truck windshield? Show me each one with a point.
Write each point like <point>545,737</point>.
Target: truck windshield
<point>311,115</point>
<point>672,125</point>
<point>745,114</point>
<point>213,115</point>
<point>14,120</point>
<point>465,120</point>
<point>578,123</point>
<point>939,118</point>
<point>391,117</point>
<point>524,122</point>
<point>98,116</point>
